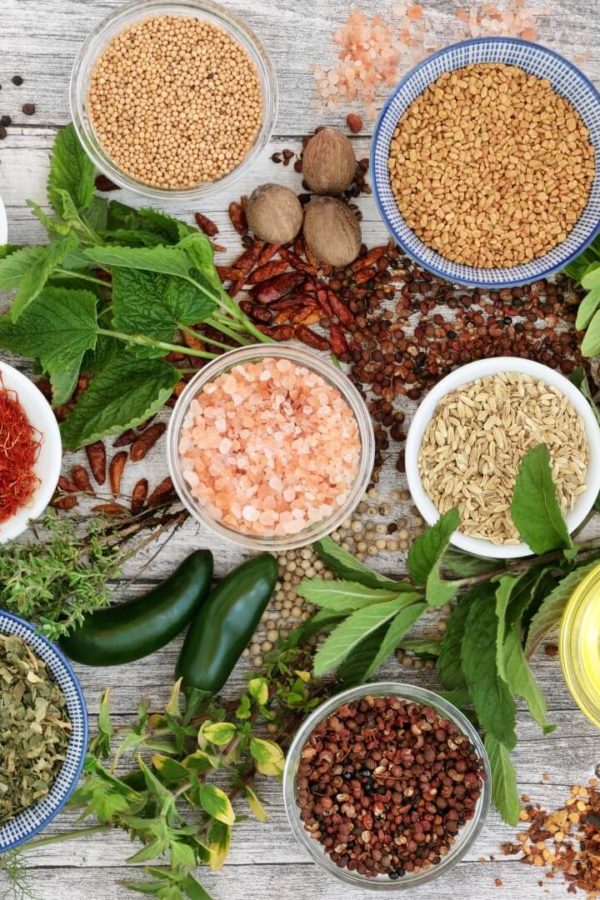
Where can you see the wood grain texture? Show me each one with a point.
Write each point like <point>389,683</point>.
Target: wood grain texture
<point>39,40</point>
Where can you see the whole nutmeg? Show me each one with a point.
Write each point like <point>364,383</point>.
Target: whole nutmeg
<point>274,214</point>
<point>328,162</point>
<point>332,231</point>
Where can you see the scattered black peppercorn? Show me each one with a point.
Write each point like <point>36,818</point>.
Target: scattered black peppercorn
<point>29,109</point>
<point>3,132</point>
<point>17,80</point>
<point>5,121</point>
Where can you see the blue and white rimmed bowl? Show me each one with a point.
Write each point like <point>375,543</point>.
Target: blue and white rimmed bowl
<point>32,820</point>
<point>566,79</point>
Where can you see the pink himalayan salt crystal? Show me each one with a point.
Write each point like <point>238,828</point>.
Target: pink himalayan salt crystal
<point>270,448</point>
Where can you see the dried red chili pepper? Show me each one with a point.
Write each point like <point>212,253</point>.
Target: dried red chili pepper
<point>138,496</point>
<point>267,253</point>
<point>82,479</point>
<point>339,309</point>
<point>161,492</point>
<point>365,275</point>
<point>257,312</point>
<point>81,386</point>
<point>115,471</point>
<point>292,300</point>
<point>278,332</point>
<point>369,258</point>
<point>296,262</point>
<point>278,287</point>
<point>126,438</point>
<point>146,441</point>
<point>64,502</point>
<point>339,344</point>
<point>323,301</point>
<point>269,270</point>
<point>206,225</point>
<point>110,509</point>
<point>309,315</point>
<point>65,484</point>
<point>228,273</point>
<point>191,341</point>
<point>96,454</point>
<point>238,218</point>
<point>311,338</point>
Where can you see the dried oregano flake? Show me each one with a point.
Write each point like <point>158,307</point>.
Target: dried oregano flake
<point>34,728</point>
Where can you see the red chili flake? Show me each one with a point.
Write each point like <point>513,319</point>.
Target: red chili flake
<point>238,218</point>
<point>20,445</point>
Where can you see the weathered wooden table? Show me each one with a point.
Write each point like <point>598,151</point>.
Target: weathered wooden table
<point>39,40</point>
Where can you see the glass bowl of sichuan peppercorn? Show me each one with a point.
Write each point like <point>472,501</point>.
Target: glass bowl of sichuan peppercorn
<point>387,785</point>
<point>173,100</point>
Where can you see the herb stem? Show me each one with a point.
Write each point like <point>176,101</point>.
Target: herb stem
<point>202,337</point>
<point>65,273</point>
<point>228,329</point>
<point>74,834</point>
<point>144,341</point>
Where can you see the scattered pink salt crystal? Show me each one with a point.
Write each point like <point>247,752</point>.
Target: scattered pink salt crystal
<point>266,459</point>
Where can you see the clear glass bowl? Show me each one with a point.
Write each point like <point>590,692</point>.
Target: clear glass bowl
<point>334,377</point>
<point>113,25</point>
<point>465,836</point>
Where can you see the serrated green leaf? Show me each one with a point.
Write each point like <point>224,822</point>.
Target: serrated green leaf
<point>353,669</point>
<point>352,631</point>
<point>520,680</point>
<point>50,223</point>
<point>449,665</point>
<point>492,700</point>
<point>149,220</point>
<point>398,627</point>
<point>96,214</point>
<point>549,614</point>
<point>534,509</point>
<point>155,305</point>
<point>505,793</point>
<point>216,803</point>
<point>463,565</point>
<point>71,170</point>
<point>121,396</point>
<point>57,328</point>
<point>347,566</point>
<point>163,260</point>
<point>342,596</point>
<point>425,558</point>
<point>132,237</point>
<point>201,253</point>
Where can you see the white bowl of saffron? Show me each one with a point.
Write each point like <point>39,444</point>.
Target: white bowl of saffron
<point>30,452</point>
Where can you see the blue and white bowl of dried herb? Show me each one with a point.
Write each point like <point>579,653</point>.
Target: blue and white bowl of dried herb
<point>45,712</point>
<point>566,80</point>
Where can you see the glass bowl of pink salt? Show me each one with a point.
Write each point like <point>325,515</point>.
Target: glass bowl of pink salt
<point>270,446</point>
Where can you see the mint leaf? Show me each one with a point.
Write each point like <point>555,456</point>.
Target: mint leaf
<point>342,596</point>
<point>50,223</point>
<point>166,260</point>
<point>493,703</point>
<point>590,345</point>
<point>96,214</point>
<point>15,265</point>
<point>155,305</point>
<point>57,328</point>
<point>353,669</point>
<point>425,557</point>
<point>134,238</point>
<point>351,632</point>
<point>534,509</point>
<point>550,612</point>
<point>201,253</point>
<point>402,623</point>
<point>520,680</point>
<point>148,220</point>
<point>504,781</point>
<point>449,664</point>
<point>121,396</point>
<point>464,565</point>
<point>347,566</point>
<point>71,170</point>
<point>503,594</point>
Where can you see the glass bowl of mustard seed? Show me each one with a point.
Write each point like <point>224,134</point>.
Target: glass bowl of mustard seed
<point>387,785</point>
<point>173,99</point>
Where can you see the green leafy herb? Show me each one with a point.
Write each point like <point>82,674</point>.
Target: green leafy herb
<point>347,566</point>
<point>71,170</point>
<point>504,781</point>
<point>343,596</point>
<point>534,508</point>
<point>550,611</point>
<point>425,558</point>
<point>400,624</point>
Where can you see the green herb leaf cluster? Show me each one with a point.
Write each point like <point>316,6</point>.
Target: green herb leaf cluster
<point>585,270</point>
<point>502,614</point>
<point>110,295</point>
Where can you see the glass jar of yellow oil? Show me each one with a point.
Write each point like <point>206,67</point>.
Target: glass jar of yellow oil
<point>580,645</point>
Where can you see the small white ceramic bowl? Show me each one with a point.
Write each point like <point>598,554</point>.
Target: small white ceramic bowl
<point>465,375</point>
<point>3,224</point>
<point>47,467</point>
